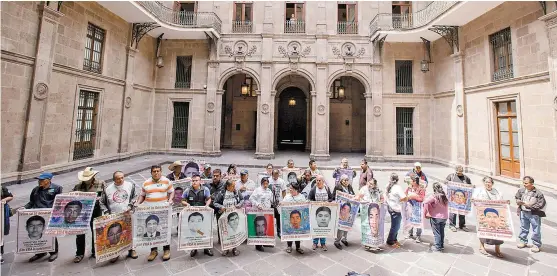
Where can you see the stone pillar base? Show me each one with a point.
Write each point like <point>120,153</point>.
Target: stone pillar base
<point>217,153</point>
<point>374,158</point>
<point>320,157</point>
<point>264,156</point>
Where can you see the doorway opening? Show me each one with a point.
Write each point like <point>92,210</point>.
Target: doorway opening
<point>292,119</point>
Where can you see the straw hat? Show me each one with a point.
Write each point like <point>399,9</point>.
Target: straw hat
<point>173,165</point>
<point>86,174</point>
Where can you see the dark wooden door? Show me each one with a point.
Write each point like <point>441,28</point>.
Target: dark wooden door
<point>292,120</point>
<point>507,129</point>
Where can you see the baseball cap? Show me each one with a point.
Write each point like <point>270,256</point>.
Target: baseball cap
<point>244,172</point>
<point>417,164</point>
<point>45,175</point>
<point>207,166</point>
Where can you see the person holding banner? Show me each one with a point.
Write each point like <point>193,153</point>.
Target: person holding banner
<point>343,166</point>
<point>346,187</point>
<point>372,194</point>
<point>436,209</point>
<point>418,171</point>
<point>321,192</point>
<point>6,197</point>
<point>157,190</point>
<point>458,177</point>
<point>306,182</point>
<point>295,216</point>
<point>395,198</point>
<point>531,209</point>
<point>263,197</point>
<point>366,175</point>
<point>313,168</point>
<point>278,185</point>
<point>245,185</point>
<point>119,197</point>
<point>176,171</point>
<point>197,196</point>
<point>289,165</point>
<point>417,194</point>
<point>228,199</point>
<point>489,193</point>
<point>43,196</point>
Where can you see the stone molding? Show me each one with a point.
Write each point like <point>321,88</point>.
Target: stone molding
<point>86,74</point>
<point>528,79</point>
<point>50,15</point>
<point>550,19</point>
<point>17,58</point>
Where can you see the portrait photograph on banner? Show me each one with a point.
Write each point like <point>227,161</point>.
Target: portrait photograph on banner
<point>295,221</point>
<point>232,227</point>
<point>290,175</point>
<point>460,197</point>
<point>195,228</point>
<point>373,224</point>
<point>494,220</point>
<point>348,172</point>
<point>412,215</point>
<point>261,226</point>
<point>151,226</point>
<point>180,186</point>
<point>31,225</point>
<point>113,235</point>
<point>71,214</point>
<point>348,210</point>
<point>323,219</point>
<point>191,167</point>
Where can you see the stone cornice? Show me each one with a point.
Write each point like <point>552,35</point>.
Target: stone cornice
<point>528,79</point>
<point>17,58</point>
<point>550,19</point>
<point>406,96</point>
<point>142,87</point>
<point>443,94</point>
<point>180,91</point>
<point>86,74</point>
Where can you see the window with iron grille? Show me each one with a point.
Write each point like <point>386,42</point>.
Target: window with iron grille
<point>180,125</point>
<point>183,72</point>
<point>501,48</point>
<point>403,76</point>
<point>86,125</point>
<point>94,44</point>
<point>404,131</point>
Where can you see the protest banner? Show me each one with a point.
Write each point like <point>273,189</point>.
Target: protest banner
<point>348,210</point>
<point>323,219</point>
<point>113,235</point>
<point>180,186</point>
<point>2,224</point>
<point>31,225</point>
<point>195,228</point>
<point>71,214</point>
<point>232,228</point>
<point>372,224</point>
<point>494,220</point>
<point>191,167</point>
<point>348,172</point>
<point>460,197</point>
<point>295,221</point>
<point>290,175</point>
<point>412,215</point>
<point>260,176</point>
<point>152,225</point>
<point>261,226</point>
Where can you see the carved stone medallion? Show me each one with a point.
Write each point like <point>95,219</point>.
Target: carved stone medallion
<point>321,109</point>
<point>128,102</point>
<point>264,108</point>
<point>210,106</point>
<point>459,111</point>
<point>377,111</point>
<point>41,91</point>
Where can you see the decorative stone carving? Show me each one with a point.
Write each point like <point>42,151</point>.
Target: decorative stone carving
<point>128,102</point>
<point>294,49</point>
<point>348,49</point>
<point>41,91</point>
<point>240,49</point>
<point>377,111</point>
<point>264,108</point>
<point>210,106</point>
<point>321,109</point>
<point>459,111</point>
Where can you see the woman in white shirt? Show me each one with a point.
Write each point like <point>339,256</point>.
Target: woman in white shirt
<point>395,195</point>
<point>489,193</point>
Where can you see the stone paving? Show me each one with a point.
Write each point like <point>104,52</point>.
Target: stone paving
<point>461,256</point>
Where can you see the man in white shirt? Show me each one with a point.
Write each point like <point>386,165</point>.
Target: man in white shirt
<point>279,187</point>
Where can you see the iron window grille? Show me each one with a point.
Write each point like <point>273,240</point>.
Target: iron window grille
<point>403,76</point>
<point>404,131</point>
<point>180,125</point>
<point>86,125</point>
<point>183,72</point>
<point>94,44</point>
<point>502,55</point>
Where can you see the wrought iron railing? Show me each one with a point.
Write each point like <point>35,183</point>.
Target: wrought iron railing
<point>244,27</point>
<point>390,22</point>
<point>182,18</point>
<point>347,27</point>
<point>294,27</point>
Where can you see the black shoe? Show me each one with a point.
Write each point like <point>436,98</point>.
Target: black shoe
<point>337,245</point>
<point>36,257</point>
<point>53,257</point>
<point>345,242</point>
<point>259,248</point>
<point>193,253</point>
<point>208,252</point>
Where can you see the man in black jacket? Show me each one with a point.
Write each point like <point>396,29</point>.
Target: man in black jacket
<point>43,196</point>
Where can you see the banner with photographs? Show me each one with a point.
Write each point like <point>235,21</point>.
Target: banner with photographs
<point>113,235</point>
<point>260,176</point>
<point>323,219</point>
<point>261,226</point>
<point>494,220</point>
<point>31,225</point>
<point>460,197</point>
<point>412,215</point>
<point>373,224</point>
<point>294,220</point>
<point>2,224</point>
<point>348,172</point>
<point>180,187</point>
<point>152,225</point>
<point>232,227</point>
<point>191,167</point>
<point>348,210</point>
<point>291,175</point>
<point>71,214</point>
<point>195,229</point>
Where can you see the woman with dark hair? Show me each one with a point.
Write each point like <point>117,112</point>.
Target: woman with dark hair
<point>436,209</point>
<point>232,170</point>
<point>345,187</point>
<point>489,193</point>
<point>395,196</point>
<point>417,193</point>
<point>294,196</point>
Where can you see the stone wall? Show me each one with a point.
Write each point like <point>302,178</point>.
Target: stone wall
<point>172,48</point>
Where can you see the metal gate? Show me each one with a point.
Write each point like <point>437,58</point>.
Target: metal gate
<point>180,125</point>
<point>86,125</point>
<point>404,131</point>
<point>403,76</point>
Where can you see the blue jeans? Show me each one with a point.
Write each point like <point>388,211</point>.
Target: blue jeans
<point>418,232</point>
<point>438,227</point>
<point>396,218</point>
<point>527,219</point>
<point>319,240</point>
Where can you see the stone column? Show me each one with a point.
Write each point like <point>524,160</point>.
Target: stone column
<point>127,99</point>
<point>265,114</point>
<point>321,114</point>
<point>551,25</point>
<point>211,144</point>
<point>218,118</point>
<point>374,112</point>
<point>42,72</point>
<point>459,145</point>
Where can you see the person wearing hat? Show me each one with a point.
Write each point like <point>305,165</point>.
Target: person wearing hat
<point>245,185</point>
<point>418,171</point>
<point>207,172</point>
<point>88,183</point>
<point>43,196</point>
<point>175,171</point>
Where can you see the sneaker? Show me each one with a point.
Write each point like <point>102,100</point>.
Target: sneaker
<point>53,257</point>
<point>235,252</point>
<point>36,257</point>
<point>435,249</point>
<point>324,247</point>
<point>345,242</point>
<point>314,247</point>
<point>152,256</point>
<point>289,249</point>
<point>535,249</point>
<point>464,228</point>
<point>225,252</point>
<point>1,259</point>
<point>208,252</point>
<point>193,253</point>
<point>521,245</point>
<point>299,250</point>
<point>418,240</point>
<point>132,254</point>
<point>452,228</point>
<point>410,237</point>
<point>338,246</point>
<point>166,255</point>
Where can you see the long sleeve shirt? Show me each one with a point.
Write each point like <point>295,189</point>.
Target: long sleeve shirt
<point>263,197</point>
<point>419,193</point>
<point>226,199</point>
<point>43,198</point>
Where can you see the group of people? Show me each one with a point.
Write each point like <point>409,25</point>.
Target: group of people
<point>224,191</point>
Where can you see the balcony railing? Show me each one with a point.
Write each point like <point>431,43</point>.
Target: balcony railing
<point>294,27</point>
<point>347,27</point>
<point>390,22</point>
<point>242,27</point>
<point>182,18</point>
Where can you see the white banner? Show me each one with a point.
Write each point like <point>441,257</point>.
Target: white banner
<point>323,219</point>
<point>195,229</point>
<point>152,225</point>
<point>232,228</point>
<point>31,225</point>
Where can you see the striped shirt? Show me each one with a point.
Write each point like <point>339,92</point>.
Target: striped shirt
<point>156,192</point>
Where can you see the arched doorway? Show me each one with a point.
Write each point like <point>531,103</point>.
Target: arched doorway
<point>347,120</point>
<point>292,119</point>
